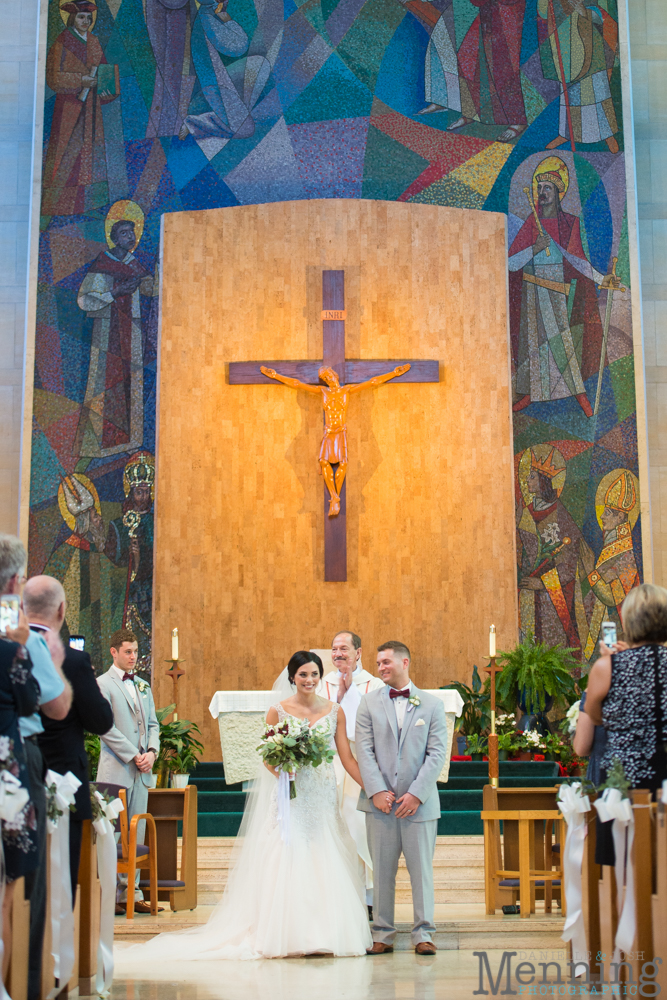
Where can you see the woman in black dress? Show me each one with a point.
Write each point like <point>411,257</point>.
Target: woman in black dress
<point>18,696</point>
<point>627,693</point>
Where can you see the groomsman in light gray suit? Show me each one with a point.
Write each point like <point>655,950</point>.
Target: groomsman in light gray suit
<point>130,747</point>
<point>401,741</point>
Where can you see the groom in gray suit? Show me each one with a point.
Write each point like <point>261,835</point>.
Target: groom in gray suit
<point>401,741</point>
<point>130,747</point>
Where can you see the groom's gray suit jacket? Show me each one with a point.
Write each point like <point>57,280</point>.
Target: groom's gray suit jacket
<point>409,762</point>
<point>135,730</point>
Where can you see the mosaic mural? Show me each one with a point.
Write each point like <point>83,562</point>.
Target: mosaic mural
<point>511,106</point>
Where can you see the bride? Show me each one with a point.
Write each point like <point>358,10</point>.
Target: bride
<point>302,897</point>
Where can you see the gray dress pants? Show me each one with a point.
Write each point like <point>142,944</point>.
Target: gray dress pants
<point>388,838</point>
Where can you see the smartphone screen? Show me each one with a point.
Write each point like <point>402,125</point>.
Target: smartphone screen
<point>77,642</point>
<point>609,633</point>
<point>9,611</point>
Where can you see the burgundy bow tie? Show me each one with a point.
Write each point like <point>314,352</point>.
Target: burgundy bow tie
<point>128,677</point>
<point>399,694</point>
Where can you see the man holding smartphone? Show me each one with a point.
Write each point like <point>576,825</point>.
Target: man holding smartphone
<point>47,655</point>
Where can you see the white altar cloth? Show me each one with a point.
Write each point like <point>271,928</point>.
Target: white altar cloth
<point>241,715</point>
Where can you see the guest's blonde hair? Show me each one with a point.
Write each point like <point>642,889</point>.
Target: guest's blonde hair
<point>644,614</point>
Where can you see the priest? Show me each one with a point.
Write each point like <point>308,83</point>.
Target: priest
<point>346,685</point>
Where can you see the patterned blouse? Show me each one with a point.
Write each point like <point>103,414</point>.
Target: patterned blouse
<point>634,713</point>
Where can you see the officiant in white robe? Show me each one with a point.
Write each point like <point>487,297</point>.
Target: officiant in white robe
<point>346,685</point>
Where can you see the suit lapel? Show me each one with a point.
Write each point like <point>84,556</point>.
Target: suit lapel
<point>409,715</point>
<point>391,712</point>
<point>119,683</point>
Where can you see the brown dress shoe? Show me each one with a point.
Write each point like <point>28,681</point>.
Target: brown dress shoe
<point>379,948</point>
<point>141,906</point>
<point>425,948</point>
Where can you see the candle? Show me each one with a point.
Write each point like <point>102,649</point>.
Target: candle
<point>174,644</point>
<point>492,641</point>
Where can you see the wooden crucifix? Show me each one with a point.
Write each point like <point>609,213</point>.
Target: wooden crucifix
<point>335,377</point>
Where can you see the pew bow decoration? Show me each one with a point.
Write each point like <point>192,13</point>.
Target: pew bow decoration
<point>60,792</point>
<point>105,813</point>
<point>574,805</point>
<point>614,806</point>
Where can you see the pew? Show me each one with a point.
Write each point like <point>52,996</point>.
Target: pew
<point>17,976</point>
<point>89,902</point>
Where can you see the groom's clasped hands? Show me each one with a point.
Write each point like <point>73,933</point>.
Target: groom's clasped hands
<point>407,805</point>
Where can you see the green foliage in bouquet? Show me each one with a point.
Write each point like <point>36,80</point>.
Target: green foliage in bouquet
<point>538,671</point>
<point>93,746</point>
<point>292,744</point>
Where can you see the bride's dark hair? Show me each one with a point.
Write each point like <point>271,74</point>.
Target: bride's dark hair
<point>299,659</point>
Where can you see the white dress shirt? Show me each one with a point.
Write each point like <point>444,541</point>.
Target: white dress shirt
<point>401,706</point>
<point>128,684</point>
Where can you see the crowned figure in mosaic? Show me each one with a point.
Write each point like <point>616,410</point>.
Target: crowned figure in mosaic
<point>578,46</point>
<point>112,417</point>
<point>555,320</point>
<point>129,543</point>
<point>603,583</point>
<point>75,169</point>
<point>549,544</point>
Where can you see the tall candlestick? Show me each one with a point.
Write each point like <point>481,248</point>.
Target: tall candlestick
<point>492,641</point>
<point>174,644</point>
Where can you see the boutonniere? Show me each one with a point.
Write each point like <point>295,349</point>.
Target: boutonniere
<point>142,685</point>
<point>414,702</point>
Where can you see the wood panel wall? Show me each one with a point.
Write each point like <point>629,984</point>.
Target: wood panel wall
<point>239,502</point>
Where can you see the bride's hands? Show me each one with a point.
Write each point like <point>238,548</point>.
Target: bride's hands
<point>384,801</point>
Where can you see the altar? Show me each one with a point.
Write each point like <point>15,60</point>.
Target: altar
<point>241,715</point>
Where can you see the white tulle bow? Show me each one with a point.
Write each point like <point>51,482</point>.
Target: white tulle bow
<point>13,796</point>
<point>107,864</point>
<point>63,788</point>
<point>612,806</point>
<point>574,805</point>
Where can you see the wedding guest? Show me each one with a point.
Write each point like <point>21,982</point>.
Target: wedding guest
<point>627,693</point>
<point>346,685</point>
<point>55,698</point>
<point>62,741</point>
<point>589,741</point>
<point>130,747</point>
<point>18,697</point>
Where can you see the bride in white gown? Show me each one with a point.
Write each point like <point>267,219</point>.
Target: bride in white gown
<point>302,897</point>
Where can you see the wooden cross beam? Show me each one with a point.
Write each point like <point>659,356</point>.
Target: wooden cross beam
<point>349,371</point>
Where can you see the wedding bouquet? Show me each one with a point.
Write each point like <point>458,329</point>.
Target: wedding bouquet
<point>292,745</point>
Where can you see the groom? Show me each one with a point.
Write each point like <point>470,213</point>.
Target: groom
<point>401,742</point>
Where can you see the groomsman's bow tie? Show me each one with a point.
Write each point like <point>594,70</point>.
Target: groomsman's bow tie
<point>399,694</point>
<point>128,677</point>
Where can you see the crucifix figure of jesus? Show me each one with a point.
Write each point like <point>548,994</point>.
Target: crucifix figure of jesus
<point>335,398</point>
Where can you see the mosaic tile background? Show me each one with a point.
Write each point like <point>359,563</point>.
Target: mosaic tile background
<point>163,105</point>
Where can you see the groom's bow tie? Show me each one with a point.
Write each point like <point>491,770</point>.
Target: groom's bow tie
<point>128,677</point>
<point>399,694</point>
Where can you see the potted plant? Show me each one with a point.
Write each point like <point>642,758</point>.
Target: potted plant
<point>537,676</point>
<point>506,744</point>
<point>476,715</point>
<point>93,746</point>
<point>180,751</point>
<point>477,746</point>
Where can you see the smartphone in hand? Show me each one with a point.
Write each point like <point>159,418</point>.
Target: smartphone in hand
<point>609,636</point>
<point>9,612</point>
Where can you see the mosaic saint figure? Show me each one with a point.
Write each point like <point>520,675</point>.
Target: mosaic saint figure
<point>489,69</point>
<point>129,543</point>
<point>232,82</point>
<point>169,24</point>
<point>77,562</point>
<point>556,330</point>
<point>549,544</point>
<point>579,51</point>
<point>602,584</point>
<point>75,171</point>
<point>112,418</point>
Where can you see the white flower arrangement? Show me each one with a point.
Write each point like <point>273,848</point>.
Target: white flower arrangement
<point>534,739</point>
<point>572,717</point>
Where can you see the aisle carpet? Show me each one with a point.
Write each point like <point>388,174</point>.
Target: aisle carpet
<point>220,806</point>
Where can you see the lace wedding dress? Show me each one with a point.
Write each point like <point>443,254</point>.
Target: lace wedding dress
<point>297,898</point>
